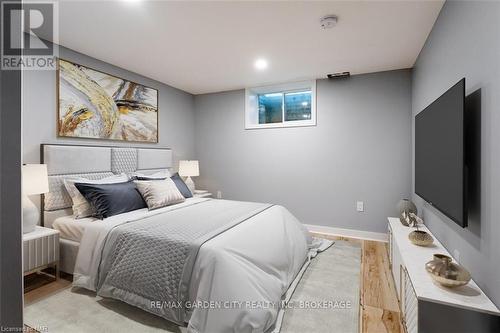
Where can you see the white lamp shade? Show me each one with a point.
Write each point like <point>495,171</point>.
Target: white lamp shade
<point>35,179</point>
<point>189,168</point>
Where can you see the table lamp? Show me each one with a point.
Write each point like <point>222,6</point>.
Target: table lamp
<point>35,181</point>
<point>189,169</point>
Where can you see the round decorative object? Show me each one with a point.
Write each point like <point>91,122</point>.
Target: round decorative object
<point>445,272</point>
<point>420,238</point>
<point>405,207</point>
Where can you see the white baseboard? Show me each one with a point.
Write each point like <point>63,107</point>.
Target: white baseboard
<point>351,233</point>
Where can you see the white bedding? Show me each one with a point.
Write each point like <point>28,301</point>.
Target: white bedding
<point>73,229</point>
<point>256,260</point>
<point>252,264</point>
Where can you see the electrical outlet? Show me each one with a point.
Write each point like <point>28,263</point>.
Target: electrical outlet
<point>219,194</point>
<point>360,206</point>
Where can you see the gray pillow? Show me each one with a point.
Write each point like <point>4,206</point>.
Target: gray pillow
<point>159,193</point>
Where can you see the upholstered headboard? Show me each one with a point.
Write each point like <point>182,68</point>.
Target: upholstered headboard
<point>92,162</point>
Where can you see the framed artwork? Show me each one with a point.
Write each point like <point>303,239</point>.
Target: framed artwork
<point>96,105</point>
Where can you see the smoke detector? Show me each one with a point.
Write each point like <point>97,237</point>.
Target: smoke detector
<point>328,21</point>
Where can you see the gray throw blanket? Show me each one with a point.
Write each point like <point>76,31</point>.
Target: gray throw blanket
<point>148,263</point>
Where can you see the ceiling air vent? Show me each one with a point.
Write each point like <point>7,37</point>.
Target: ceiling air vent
<point>339,75</point>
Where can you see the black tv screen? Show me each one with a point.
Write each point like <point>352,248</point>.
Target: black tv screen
<point>440,154</point>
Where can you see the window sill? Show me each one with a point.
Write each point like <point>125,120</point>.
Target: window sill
<point>281,125</point>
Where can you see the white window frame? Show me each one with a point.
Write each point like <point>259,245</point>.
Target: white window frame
<point>252,104</point>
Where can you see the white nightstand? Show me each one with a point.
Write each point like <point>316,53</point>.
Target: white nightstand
<point>41,250</point>
<point>202,194</point>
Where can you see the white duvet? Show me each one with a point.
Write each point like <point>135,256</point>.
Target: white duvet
<point>239,277</point>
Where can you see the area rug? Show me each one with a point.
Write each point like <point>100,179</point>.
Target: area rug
<point>327,297</point>
<point>325,300</point>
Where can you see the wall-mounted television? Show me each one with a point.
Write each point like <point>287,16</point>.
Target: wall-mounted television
<point>440,170</point>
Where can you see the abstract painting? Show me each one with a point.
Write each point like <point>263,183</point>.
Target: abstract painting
<point>97,105</point>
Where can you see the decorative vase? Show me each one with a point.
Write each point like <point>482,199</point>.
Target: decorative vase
<point>445,272</point>
<point>405,207</point>
<point>410,220</point>
<point>420,238</point>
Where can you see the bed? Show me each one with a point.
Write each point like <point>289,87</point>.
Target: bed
<point>211,265</point>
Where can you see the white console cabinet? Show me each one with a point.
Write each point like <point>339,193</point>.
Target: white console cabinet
<point>427,307</point>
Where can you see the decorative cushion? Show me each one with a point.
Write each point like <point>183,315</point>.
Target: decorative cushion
<point>181,185</point>
<point>159,193</point>
<point>112,199</point>
<point>156,175</point>
<point>58,197</point>
<point>81,207</point>
<point>148,178</point>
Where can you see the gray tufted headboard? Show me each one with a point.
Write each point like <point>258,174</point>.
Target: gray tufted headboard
<point>92,162</point>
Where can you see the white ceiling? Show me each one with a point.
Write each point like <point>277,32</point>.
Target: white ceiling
<point>203,47</point>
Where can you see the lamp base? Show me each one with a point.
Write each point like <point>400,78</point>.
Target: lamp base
<point>190,184</point>
<point>31,215</point>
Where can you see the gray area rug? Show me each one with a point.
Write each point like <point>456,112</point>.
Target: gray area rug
<point>327,297</point>
<point>331,281</point>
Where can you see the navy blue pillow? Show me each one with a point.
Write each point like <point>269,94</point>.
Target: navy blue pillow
<point>112,199</point>
<point>181,186</point>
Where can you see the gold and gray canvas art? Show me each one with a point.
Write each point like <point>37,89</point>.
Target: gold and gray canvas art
<point>97,105</point>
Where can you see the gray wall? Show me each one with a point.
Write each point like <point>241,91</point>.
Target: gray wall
<point>176,115</point>
<point>176,112</point>
<point>360,150</point>
<point>465,42</point>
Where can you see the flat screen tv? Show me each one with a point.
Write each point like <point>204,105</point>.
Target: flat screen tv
<point>440,171</point>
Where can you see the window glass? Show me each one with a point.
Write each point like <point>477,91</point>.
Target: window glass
<point>289,104</point>
<point>270,108</point>
<point>298,106</point>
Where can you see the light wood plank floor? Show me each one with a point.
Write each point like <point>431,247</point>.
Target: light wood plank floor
<point>40,287</point>
<point>379,309</point>
<point>379,303</point>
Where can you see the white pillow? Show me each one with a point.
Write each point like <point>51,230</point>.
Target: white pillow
<point>81,207</point>
<point>159,193</point>
<point>159,174</point>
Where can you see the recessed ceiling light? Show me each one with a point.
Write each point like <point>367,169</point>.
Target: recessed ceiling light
<point>261,64</point>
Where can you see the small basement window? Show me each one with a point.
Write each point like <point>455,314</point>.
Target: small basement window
<point>283,105</point>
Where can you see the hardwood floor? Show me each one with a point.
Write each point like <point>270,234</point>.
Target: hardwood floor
<point>40,288</point>
<point>379,290</point>
<point>379,320</point>
<point>379,304</point>
<point>379,309</point>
